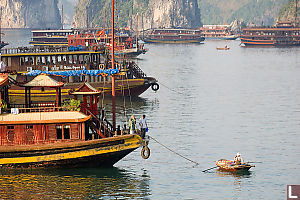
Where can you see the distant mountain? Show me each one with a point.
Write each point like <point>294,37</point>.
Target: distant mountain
<point>250,11</point>
<point>36,14</point>
<point>69,8</point>
<point>138,14</point>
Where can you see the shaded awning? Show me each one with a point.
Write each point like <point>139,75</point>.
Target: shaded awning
<point>85,89</point>
<point>43,81</point>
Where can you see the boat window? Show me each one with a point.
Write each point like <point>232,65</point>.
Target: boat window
<point>38,60</point>
<point>48,60</point>
<point>29,126</point>
<point>58,59</point>
<point>53,60</point>
<point>80,59</point>
<point>26,60</point>
<point>10,127</point>
<point>59,132</point>
<point>66,131</point>
<point>43,59</point>
<point>22,61</point>
<point>31,60</point>
<point>70,59</point>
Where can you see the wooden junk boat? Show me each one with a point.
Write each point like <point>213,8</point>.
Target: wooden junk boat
<point>218,32</point>
<point>124,43</point>
<point>229,165</point>
<point>282,34</point>
<point>56,136</point>
<point>131,80</point>
<point>173,35</point>
<point>61,137</point>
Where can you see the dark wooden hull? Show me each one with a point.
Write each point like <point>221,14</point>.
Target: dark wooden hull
<point>93,153</point>
<point>128,87</point>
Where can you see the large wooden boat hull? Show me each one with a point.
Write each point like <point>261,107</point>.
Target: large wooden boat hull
<point>92,153</point>
<point>230,166</point>
<point>249,42</point>
<point>148,40</point>
<point>127,87</point>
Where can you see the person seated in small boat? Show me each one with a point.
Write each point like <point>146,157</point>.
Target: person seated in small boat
<point>226,46</point>
<point>238,159</point>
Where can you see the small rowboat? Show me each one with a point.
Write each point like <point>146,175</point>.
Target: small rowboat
<point>229,165</point>
<point>223,48</point>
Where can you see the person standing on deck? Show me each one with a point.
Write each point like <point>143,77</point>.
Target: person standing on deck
<point>132,123</point>
<point>143,125</point>
<point>238,159</point>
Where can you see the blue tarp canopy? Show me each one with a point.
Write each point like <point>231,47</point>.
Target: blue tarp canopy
<point>106,72</point>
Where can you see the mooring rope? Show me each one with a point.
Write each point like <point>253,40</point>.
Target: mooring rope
<point>170,88</point>
<point>174,151</point>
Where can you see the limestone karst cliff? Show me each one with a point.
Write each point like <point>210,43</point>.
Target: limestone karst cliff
<point>30,14</point>
<point>147,13</point>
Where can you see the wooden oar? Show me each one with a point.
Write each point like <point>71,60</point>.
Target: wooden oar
<point>209,168</point>
<point>255,162</point>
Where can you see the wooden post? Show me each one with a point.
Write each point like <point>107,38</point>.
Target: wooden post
<point>26,100</point>
<point>56,97</point>
<point>29,97</point>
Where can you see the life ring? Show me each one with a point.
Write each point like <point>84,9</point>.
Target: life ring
<point>145,153</point>
<point>155,86</point>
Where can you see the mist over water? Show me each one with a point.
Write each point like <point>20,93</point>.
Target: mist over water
<point>211,104</point>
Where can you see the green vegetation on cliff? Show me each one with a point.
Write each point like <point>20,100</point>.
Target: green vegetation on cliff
<point>250,11</point>
<point>99,11</point>
<point>287,12</point>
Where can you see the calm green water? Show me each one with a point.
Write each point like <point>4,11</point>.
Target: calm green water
<point>211,104</point>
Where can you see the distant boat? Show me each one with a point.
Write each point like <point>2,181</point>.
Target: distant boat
<point>282,34</point>
<point>173,36</point>
<point>229,165</point>
<point>218,32</point>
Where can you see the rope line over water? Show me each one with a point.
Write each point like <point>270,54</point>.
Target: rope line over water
<point>174,151</point>
<point>170,88</point>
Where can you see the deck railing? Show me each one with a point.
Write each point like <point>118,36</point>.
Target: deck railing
<point>42,109</point>
<point>41,49</point>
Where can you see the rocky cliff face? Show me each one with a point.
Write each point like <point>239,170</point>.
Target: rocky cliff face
<point>38,14</point>
<point>145,13</point>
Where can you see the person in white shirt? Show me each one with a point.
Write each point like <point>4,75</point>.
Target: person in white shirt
<point>143,125</point>
<point>238,159</point>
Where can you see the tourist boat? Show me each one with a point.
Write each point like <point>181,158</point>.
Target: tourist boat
<point>173,35</point>
<point>53,136</point>
<point>59,137</point>
<point>57,37</point>
<point>124,44</point>
<point>131,81</point>
<point>282,34</point>
<point>229,165</point>
<point>218,32</point>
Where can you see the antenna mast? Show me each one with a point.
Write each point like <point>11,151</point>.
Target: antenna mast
<point>113,92</point>
<point>62,16</point>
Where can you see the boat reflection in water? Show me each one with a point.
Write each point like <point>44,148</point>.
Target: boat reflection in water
<point>92,183</point>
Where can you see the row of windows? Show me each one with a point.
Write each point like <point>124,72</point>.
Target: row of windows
<point>62,132</point>
<point>53,60</point>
